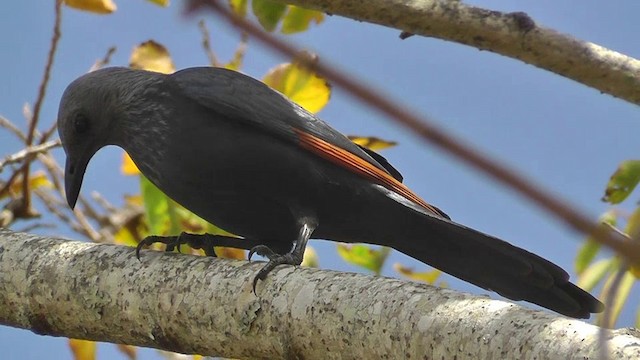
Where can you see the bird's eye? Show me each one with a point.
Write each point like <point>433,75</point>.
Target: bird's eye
<point>80,124</point>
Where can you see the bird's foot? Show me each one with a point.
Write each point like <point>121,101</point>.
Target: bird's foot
<point>292,258</point>
<point>197,241</point>
<point>262,250</point>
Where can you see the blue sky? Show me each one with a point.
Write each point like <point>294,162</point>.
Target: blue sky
<point>560,134</point>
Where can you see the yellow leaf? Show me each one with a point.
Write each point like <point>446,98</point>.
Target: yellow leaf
<point>151,56</point>
<point>230,253</point>
<point>134,199</point>
<point>163,3</point>
<point>38,179</point>
<point>128,350</point>
<point>310,258</point>
<point>83,349</point>
<point>301,86</point>
<point>428,277</point>
<point>128,166</point>
<point>372,142</point>
<point>94,6</point>
<point>132,232</point>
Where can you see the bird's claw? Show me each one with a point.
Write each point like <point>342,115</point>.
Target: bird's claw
<point>148,241</point>
<point>262,250</point>
<point>274,260</point>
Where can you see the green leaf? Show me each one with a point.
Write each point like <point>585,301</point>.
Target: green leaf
<point>620,295</point>
<point>586,254</point>
<point>637,326</point>
<point>160,210</point>
<point>364,256</point>
<point>268,13</point>
<point>633,224</point>
<point>633,230</point>
<point>239,7</point>
<point>592,275</point>
<point>298,19</point>
<point>590,248</point>
<point>622,182</point>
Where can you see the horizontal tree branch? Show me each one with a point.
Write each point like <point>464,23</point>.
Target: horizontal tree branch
<point>510,34</point>
<point>201,305</point>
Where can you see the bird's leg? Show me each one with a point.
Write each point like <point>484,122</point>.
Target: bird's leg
<point>292,258</point>
<point>205,242</point>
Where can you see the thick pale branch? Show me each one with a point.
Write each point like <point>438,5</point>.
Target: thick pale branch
<point>511,34</point>
<point>201,305</point>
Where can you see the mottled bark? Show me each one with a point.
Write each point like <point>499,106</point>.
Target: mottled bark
<point>201,305</point>
<point>514,35</point>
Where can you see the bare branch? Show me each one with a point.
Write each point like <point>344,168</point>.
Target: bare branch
<point>430,133</point>
<point>192,304</point>
<point>24,153</point>
<point>206,43</point>
<point>7,124</point>
<point>33,123</point>
<point>106,59</point>
<point>515,35</point>
<point>36,226</point>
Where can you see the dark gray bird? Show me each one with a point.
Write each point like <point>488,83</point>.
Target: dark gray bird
<point>243,157</point>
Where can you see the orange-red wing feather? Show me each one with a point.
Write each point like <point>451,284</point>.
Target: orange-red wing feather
<point>360,166</point>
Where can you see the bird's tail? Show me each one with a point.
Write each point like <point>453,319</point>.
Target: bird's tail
<point>484,260</point>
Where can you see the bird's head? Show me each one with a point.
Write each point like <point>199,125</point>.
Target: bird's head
<point>89,115</point>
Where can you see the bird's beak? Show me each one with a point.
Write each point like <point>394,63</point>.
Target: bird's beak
<point>73,175</point>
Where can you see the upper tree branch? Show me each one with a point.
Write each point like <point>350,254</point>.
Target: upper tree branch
<point>193,304</point>
<point>511,34</point>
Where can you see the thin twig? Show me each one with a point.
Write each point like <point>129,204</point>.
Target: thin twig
<point>432,134</point>
<point>7,185</point>
<point>33,123</point>
<point>206,43</point>
<point>7,124</point>
<point>238,55</point>
<point>53,205</point>
<point>24,153</point>
<point>47,134</point>
<point>55,172</point>
<point>88,210</point>
<point>106,205</point>
<point>106,59</point>
<point>32,227</point>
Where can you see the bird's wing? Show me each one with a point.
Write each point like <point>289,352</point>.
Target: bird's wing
<point>242,98</point>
